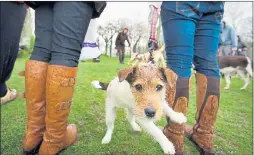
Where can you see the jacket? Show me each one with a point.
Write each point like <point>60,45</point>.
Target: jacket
<point>228,37</point>
<point>120,39</point>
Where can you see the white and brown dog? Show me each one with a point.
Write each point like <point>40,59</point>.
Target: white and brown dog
<point>239,64</point>
<point>156,56</point>
<point>141,91</point>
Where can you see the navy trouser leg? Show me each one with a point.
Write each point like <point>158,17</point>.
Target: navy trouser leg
<point>12,19</point>
<point>206,45</point>
<point>191,31</point>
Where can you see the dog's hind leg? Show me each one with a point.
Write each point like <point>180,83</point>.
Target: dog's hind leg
<point>158,135</point>
<point>132,121</point>
<point>227,78</point>
<point>110,119</point>
<point>249,70</point>
<point>245,78</point>
<point>249,67</point>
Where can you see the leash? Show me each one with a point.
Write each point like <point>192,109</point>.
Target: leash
<point>152,42</point>
<point>153,19</point>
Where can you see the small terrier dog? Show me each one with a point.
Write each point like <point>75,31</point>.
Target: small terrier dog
<point>141,90</point>
<point>156,56</point>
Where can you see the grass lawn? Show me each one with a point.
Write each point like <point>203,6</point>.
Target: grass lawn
<point>233,131</point>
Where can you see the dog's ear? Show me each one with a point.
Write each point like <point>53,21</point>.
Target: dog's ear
<point>169,75</point>
<point>124,73</point>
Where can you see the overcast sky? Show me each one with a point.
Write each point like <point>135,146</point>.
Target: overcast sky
<point>133,10</point>
<point>139,10</point>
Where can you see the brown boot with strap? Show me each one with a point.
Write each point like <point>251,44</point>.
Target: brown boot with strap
<point>177,98</point>
<point>35,87</point>
<point>208,94</point>
<point>59,91</point>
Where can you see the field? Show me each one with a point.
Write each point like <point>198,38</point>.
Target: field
<point>233,130</point>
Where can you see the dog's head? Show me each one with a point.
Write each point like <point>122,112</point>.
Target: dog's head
<point>148,85</point>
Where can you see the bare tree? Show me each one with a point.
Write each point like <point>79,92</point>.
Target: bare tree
<point>138,32</point>
<point>236,13</point>
<point>107,32</point>
<point>27,33</point>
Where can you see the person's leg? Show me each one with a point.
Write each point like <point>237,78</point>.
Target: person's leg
<point>70,23</point>
<point>35,79</point>
<point>3,90</point>
<point>120,52</point>
<point>178,31</point>
<point>222,50</point>
<point>10,35</point>
<point>228,51</point>
<point>123,55</point>
<point>43,33</point>
<point>207,77</point>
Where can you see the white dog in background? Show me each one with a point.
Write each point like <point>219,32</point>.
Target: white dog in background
<point>239,64</point>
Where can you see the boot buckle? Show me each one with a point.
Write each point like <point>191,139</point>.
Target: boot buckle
<point>68,82</point>
<point>63,105</point>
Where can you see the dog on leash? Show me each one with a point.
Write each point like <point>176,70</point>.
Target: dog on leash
<point>240,64</point>
<point>141,90</point>
<point>149,57</point>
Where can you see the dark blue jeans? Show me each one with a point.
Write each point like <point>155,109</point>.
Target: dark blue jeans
<point>191,34</point>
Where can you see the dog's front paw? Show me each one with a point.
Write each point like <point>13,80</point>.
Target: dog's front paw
<point>106,140</point>
<point>179,118</point>
<point>169,149</point>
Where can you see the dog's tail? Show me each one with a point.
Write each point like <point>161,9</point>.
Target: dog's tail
<point>100,85</point>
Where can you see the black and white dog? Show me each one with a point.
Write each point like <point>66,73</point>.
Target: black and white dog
<point>240,64</point>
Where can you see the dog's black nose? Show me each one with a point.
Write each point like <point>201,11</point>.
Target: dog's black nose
<point>150,112</point>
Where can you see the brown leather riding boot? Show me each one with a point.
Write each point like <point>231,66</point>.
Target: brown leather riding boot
<point>59,91</point>
<point>177,98</point>
<point>208,94</point>
<point>35,87</point>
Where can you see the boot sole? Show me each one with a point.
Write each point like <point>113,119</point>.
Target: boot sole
<point>33,151</point>
<point>201,151</point>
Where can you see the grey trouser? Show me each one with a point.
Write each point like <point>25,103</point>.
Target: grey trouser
<point>60,30</point>
<point>226,50</point>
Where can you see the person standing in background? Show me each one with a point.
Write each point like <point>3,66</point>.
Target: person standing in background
<point>228,41</point>
<point>241,47</point>
<point>12,20</point>
<point>120,44</point>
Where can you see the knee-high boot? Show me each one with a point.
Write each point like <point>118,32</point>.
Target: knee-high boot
<point>177,98</point>
<point>59,91</point>
<point>35,87</point>
<point>208,94</point>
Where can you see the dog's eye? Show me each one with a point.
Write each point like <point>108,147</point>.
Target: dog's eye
<point>159,87</point>
<point>138,87</point>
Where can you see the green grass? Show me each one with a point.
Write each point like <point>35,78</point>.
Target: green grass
<point>233,130</point>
